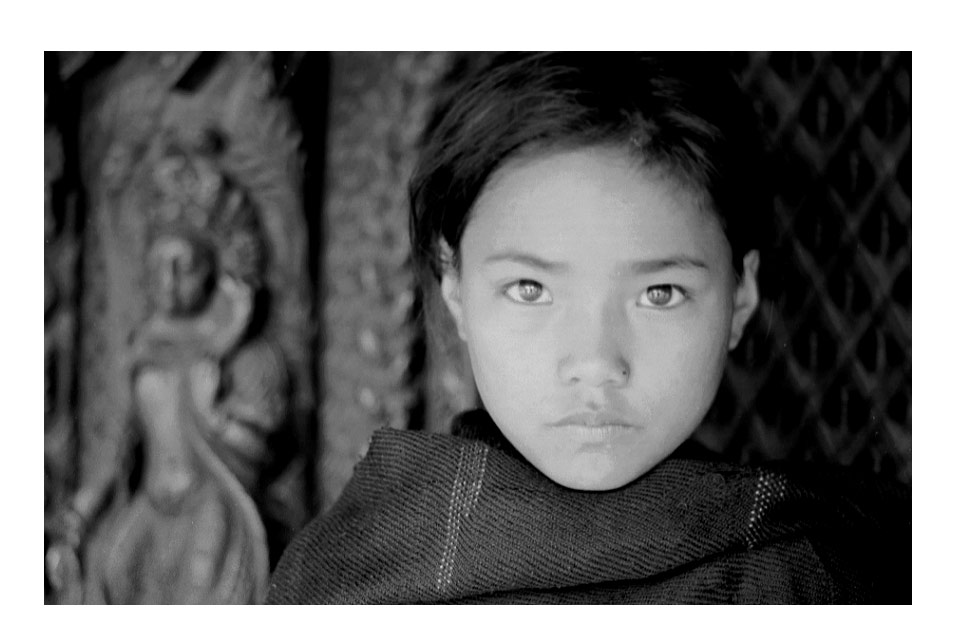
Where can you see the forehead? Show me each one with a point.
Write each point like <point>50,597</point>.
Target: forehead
<point>173,246</point>
<point>168,244</point>
<point>593,205</point>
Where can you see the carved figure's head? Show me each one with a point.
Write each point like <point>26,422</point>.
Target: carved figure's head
<point>201,223</point>
<point>182,274</point>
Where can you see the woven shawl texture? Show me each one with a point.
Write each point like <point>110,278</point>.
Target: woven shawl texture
<point>431,518</point>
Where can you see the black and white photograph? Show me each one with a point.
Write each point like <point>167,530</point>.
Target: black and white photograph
<point>477,327</point>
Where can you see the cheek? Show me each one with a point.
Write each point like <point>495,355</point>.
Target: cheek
<point>685,371</point>
<point>505,353</point>
<point>194,282</point>
<point>511,358</point>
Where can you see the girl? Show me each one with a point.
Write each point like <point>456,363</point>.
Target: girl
<point>593,224</point>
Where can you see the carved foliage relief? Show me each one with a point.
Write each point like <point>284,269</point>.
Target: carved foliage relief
<point>379,103</point>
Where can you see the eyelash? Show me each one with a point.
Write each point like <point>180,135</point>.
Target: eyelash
<point>677,293</point>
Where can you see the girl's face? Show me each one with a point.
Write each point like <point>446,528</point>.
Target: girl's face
<point>598,304</point>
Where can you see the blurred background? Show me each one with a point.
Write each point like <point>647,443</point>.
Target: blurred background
<point>230,310</point>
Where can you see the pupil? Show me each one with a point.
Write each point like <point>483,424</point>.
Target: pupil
<point>660,294</point>
<point>529,291</point>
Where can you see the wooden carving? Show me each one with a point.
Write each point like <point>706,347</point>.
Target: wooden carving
<point>379,104</point>
<point>198,245</point>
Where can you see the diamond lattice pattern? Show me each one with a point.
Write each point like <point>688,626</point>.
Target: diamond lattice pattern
<point>824,373</point>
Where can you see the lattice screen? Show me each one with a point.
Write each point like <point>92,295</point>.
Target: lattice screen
<point>825,371</point>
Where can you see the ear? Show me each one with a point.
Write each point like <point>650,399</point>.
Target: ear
<point>746,297</point>
<point>450,289</point>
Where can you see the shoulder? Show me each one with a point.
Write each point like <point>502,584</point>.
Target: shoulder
<point>385,513</point>
<point>848,527</point>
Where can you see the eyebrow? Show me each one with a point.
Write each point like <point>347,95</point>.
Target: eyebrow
<point>638,267</point>
<point>663,263</point>
<point>528,260</point>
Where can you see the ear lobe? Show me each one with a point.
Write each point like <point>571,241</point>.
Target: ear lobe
<point>450,292</point>
<point>746,299</point>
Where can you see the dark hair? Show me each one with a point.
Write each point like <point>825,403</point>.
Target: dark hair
<point>681,113</point>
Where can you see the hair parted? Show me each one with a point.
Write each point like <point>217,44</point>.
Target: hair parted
<point>681,113</point>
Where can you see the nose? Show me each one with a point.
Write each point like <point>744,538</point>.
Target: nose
<point>596,348</point>
<point>172,269</point>
<point>169,272</point>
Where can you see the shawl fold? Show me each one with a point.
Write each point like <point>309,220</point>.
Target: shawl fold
<point>431,518</point>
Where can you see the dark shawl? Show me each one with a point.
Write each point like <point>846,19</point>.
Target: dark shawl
<point>433,518</point>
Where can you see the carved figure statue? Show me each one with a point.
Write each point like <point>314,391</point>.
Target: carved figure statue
<point>208,393</point>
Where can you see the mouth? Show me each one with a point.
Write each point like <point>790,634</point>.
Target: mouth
<point>595,421</point>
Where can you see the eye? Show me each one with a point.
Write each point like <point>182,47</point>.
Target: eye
<point>528,292</point>
<point>662,296</point>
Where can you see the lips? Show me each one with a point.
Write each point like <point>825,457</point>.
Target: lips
<point>594,420</point>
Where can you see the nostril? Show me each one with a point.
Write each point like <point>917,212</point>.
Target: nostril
<point>620,374</point>
<point>595,372</point>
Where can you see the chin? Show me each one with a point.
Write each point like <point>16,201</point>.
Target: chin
<point>590,477</point>
<point>598,485</point>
